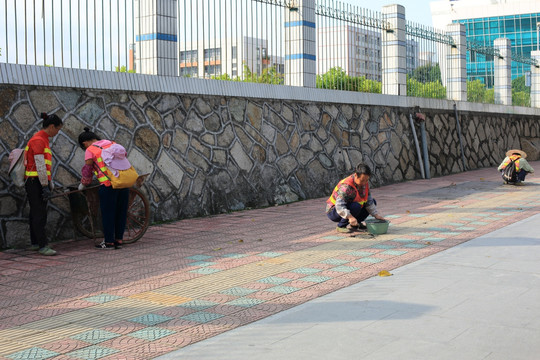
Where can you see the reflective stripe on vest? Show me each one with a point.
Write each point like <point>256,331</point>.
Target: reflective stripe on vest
<point>510,159</point>
<point>349,181</point>
<point>100,175</point>
<point>47,155</point>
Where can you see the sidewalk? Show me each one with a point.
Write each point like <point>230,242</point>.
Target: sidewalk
<point>191,280</point>
<point>478,300</point>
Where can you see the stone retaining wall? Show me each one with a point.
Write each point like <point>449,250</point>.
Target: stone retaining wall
<point>213,154</point>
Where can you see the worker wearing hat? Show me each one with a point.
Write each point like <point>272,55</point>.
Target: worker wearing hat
<point>522,166</point>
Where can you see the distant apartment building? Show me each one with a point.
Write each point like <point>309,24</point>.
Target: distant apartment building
<point>226,56</point>
<point>356,50</point>
<point>487,20</point>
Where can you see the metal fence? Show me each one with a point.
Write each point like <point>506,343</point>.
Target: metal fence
<point>236,40</point>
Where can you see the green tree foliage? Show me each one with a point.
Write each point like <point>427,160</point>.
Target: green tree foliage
<point>432,89</point>
<point>337,79</point>
<point>427,73</point>
<point>123,69</point>
<point>477,92</point>
<point>269,75</point>
<point>521,94</point>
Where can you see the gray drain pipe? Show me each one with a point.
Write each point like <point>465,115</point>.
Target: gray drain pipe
<point>459,136</point>
<point>424,148</point>
<point>417,147</point>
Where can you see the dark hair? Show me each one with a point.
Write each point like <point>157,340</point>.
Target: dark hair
<point>516,154</point>
<point>86,136</point>
<point>50,120</point>
<point>362,169</point>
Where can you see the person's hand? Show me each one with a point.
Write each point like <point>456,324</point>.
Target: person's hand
<point>353,221</point>
<point>81,187</point>
<point>46,193</point>
<point>379,217</point>
<point>51,185</point>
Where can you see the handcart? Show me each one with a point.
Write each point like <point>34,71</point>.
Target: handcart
<point>86,215</point>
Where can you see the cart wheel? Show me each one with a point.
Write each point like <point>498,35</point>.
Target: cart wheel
<point>138,216</point>
<point>87,224</point>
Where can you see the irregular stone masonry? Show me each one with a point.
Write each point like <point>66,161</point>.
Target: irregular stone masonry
<point>210,155</point>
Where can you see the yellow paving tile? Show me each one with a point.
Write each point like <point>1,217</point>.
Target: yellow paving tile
<point>17,333</point>
<point>9,346</point>
<point>162,299</point>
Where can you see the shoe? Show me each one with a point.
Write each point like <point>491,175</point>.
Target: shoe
<point>47,251</point>
<point>104,245</point>
<point>33,248</point>
<point>343,230</point>
<point>117,245</point>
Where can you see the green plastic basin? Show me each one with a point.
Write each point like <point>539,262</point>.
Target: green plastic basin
<point>377,227</point>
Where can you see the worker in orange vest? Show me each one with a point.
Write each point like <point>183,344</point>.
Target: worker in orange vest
<point>38,183</point>
<point>113,203</point>
<point>522,166</point>
<point>351,201</point>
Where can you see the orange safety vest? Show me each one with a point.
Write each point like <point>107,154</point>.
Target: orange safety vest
<point>100,168</point>
<point>510,159</point>
<point>29,153</point>
<point>359,198</point>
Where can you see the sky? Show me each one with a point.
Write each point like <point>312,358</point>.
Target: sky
<point>417,11</point>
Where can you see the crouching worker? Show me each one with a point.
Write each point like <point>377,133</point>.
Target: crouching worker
<point>351,201</point>
<point>522,167</point>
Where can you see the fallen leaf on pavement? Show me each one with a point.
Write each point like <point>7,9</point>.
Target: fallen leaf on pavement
<point>384,273</point>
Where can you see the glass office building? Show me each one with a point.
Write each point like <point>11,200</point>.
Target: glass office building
<point>512,19</point>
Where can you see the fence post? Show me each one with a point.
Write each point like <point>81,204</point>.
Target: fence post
<point>503,72</point>
<point>156,37</point>
<point>535,80</point>
<point>456,58</point>
<point>394,51</point>
<point>300,47</point>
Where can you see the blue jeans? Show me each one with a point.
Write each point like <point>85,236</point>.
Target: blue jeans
<point>113,204</point>
<point>357,210</point>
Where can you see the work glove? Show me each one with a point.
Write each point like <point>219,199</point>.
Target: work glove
<point>46,193</point>
<point>81,187</point>
<point>51,185</point>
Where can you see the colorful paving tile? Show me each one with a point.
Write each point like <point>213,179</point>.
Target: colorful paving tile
<point>238,291</point>
<point>199,257</point>
<point>150,319</point>
<point>33,353</point>
<point>370,260</point>
<point>394,252</point>
<point>205,271</point>
<point>199,304</point>
<point>334,261</point>
<point>344,269</point>
<point>306,270</point>
<point>103,298</point>
<point>316,278</point>
<point>95,336</point>
<point>245,302</point>
<point>274,280</point>
<point>156,299</point>
<point>202,317</point>
<point>283,289</point>
<point>152,333</point>
<point>92,352</point>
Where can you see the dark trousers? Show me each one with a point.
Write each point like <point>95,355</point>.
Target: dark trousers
<point>521,175</point>
<point>38,212</point>
<point>113,204</point>
<point>357,210</point>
